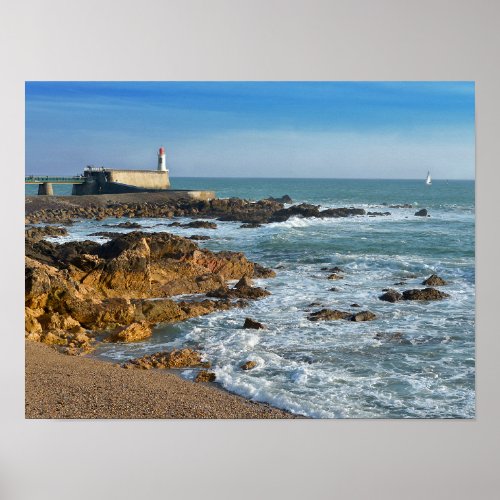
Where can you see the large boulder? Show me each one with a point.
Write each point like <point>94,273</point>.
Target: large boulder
<point>363,316</point>
<point>248,365</point>
<point>421,213</point>
<point>177,358</point>
<point>131,333</point>
<point>251,323</point>
<point>434,280</point>
<point>424,294</point>
<point>328,315</point>
<point>391,296</point>
<point>205,376</point>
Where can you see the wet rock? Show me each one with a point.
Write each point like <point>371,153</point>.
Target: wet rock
<point>421,213</point>
<point>244,282</point>
<point>205,376</point>
<point>328,315</point>
<point>396,337</point>
<point>334,289</point>
<point>342,212</point>
<point>262,272</point>
<point>335,276</point>
<point>424,294</point>
<point>177,358</point>
<point>251,323</point>
<point>106,234</point>
<point>374,214</point>
<point>125,225</point>
<point>363,316</point>
<point>284,199</point>
<point>200,237</point>
<point>244,292</point>
<point>200,224</point>
<point>355,305</point>
<point>335,269</point>
<point>248,365</point>
<point>315,304</point>
<point>434,280</point>
<point>399,283</point>
<point>251,225</point>
<point>131,333</point>
<point>404,205</point>
<point>391,296</point>
<point>302,210</point>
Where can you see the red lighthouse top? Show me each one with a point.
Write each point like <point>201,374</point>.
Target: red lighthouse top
<point>162,150</point>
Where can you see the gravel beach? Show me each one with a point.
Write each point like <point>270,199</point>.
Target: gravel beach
<point>60,386</point>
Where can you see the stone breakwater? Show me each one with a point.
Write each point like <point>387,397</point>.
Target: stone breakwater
<point>78,293</point>
<point>67,209</point>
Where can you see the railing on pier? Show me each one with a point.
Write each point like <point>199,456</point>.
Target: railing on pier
<point>44,179</point>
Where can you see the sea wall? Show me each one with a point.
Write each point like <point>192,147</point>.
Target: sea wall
<point>147,179</point>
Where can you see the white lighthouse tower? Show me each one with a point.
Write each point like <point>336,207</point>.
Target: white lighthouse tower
<point>162,163</point>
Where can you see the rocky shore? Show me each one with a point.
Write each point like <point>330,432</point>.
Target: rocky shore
<point>64,209</point>
<point>81,293</point>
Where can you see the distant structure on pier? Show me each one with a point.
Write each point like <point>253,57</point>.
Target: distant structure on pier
<point>103,180</point>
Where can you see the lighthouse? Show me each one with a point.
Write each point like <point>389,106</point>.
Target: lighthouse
<point>162,164</point>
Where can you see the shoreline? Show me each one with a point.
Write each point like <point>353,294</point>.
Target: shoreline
<point>74,387</point>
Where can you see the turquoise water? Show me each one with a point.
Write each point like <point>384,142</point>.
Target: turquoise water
<point>338,369</point>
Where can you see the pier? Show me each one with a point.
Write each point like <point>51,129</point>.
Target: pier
<point>45,182</point>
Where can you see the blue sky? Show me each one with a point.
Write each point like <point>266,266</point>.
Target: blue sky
<point>254,129</point>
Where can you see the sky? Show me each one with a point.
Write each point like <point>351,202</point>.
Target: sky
<point>371,130</point>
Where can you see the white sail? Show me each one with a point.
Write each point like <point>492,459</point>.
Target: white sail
<point>428,180</point>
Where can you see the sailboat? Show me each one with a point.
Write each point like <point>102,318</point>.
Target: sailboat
<point>428,181</point>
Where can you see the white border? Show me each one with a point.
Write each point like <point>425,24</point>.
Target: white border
<point>249,40</point>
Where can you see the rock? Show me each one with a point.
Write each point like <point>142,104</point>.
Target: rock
<point>284,199</point>
<point>128,225</point>
<point>251,225</point>
<point>335,276</point>
<point>248,365</point>
<point>178,358</point>
<point>434,280</point>
<point>391,296</point>
<point>405,205</point>
<point>31,323</point>
<point>244,292</point>
<point>262,272</point>
<point>328,315</point>
<point>39,233</point>
<point>302,210</point>
<point>201,224</point>
<point>399,283</point>
<point>131,333</point>
<point>363,316</point>
<point>374,214</point>
<point>355,305</point>
<point>335,269</point>
<point>424,294</point>
<point>421,213</point>
<point>250,323</point>
<point>245,281</point>
<point>314,304</point>
<point>205,376</point>
<point>342,212</point>
<point>333,289</point>
<point>390,337</point>
<point>200,237</point>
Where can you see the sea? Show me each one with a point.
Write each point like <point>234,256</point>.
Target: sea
<point>338,369</point>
